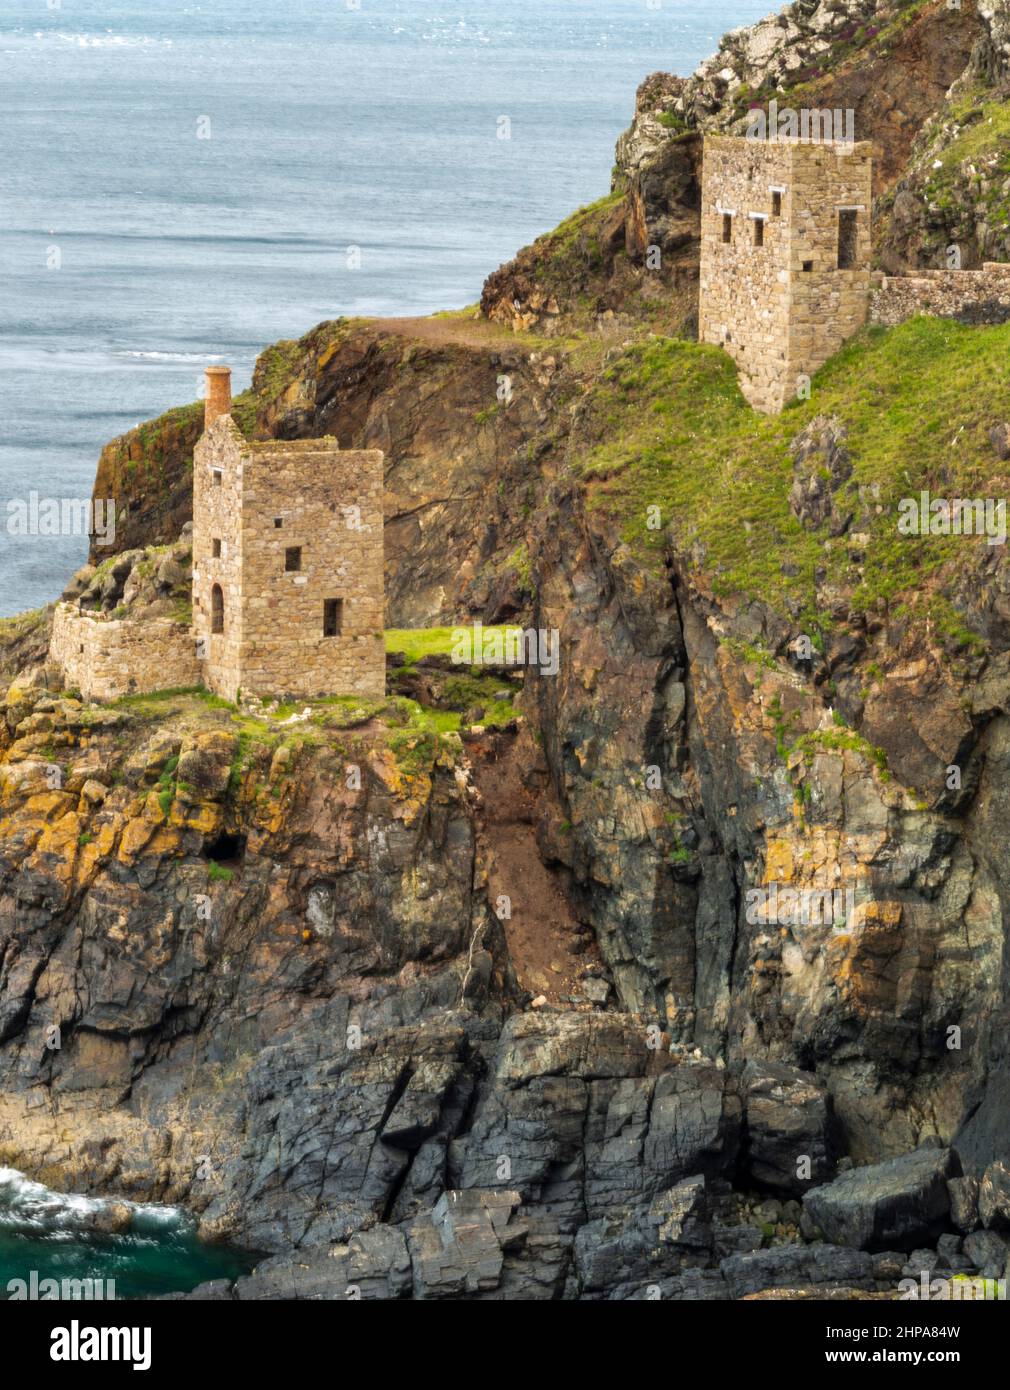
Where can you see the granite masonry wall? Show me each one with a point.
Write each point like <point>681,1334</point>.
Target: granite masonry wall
<point>970,296</point>
<point>772,292</point>
<point>218,467</point>
<point>300,532</point>
<point>744,291</point>
<point>106,658</point>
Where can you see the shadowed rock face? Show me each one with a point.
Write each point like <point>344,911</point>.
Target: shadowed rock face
<point>282,1043</point>
<point>904,1202</point>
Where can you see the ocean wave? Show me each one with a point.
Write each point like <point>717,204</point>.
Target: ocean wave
<point>444,31</point>
<point>168,356</point>
<point>30,1208</point>
<point>106,40</point>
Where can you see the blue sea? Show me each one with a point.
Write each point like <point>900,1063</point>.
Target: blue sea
<point>181,184</point>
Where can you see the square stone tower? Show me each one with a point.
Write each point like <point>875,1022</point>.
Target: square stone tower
<point>785,256</point>
<point>287,562</point>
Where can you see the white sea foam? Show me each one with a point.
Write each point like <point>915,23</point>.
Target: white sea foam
<point>30,1207</point>
<point>168,356</point>
<point>106,40</point>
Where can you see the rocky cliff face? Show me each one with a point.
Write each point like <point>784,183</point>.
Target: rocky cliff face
<point>514,1015</point>
<point>954,189</point>
<point>291,1006</point>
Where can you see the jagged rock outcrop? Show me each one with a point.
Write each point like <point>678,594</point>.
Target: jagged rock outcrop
<point>887,62</point>
<point>789,1128</point>
<point>949,207</point>
<point>900,1204</point>
<point>821,464</point>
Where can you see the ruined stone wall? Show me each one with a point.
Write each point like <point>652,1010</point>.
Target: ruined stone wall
<point>217,510</point>
<point>783,307</point>
<point>970,296</point>
<point>329,506</point>
<point>252,504</point>
<point>106,658</point>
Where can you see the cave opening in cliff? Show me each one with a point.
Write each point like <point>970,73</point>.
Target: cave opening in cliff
<point>225,849</point>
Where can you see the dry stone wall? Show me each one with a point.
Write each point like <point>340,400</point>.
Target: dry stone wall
<point>970,296</point>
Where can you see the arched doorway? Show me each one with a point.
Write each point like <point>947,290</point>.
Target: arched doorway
<point>216,609</point>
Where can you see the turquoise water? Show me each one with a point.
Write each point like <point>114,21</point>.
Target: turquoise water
<point>133,253</point>
<point>50,1235</point>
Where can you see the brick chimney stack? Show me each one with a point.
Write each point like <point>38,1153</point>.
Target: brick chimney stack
<point>217,399</point>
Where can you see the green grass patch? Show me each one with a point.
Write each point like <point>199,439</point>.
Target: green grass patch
<point>840,740</point>
<point>666,427</point>
<point>416,642</point>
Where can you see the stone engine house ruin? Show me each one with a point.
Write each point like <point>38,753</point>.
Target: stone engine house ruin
<point>287,563</point>
<point>785,278</point>
<point>288,586</point>
<point>785,256</point>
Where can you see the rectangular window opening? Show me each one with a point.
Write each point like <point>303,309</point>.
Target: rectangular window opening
<point>333,617</point>
<point>808,266</point>
<point>776,204</point>
<point>759,231</point>
<point>215,548</point>
<point>216,475</point>
<point>293,559</point>
<point>278,522</point>
<point>848,233</point>
<point>727,228</point>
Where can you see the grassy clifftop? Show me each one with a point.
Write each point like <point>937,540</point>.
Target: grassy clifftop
<point>660,423</point>
<point>666,427</point>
